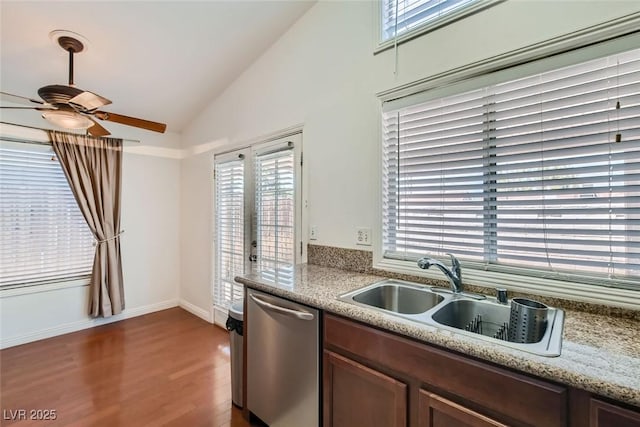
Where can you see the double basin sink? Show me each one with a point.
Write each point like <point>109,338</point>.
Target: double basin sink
<point>476,316</point>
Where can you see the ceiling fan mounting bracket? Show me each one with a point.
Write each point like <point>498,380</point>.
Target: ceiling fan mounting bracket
<point>68,39</point>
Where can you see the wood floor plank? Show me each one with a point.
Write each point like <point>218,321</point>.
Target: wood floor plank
<point>168,368</point>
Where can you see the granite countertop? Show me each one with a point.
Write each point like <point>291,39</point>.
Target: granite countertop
<point>600,354</point>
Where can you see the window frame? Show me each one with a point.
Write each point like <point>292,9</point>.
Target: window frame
<point>70,280</point>
<point>617,35</point>
<point>426,27</point>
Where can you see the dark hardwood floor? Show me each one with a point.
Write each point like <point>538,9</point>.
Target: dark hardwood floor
<point>168,368</point>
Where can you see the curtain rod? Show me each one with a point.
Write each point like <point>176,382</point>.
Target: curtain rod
<point>46,130</point>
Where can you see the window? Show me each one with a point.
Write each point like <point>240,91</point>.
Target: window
<point>536,175</point>
<point>43,235</point>
<point>257,215</point>
<point>402,17</point>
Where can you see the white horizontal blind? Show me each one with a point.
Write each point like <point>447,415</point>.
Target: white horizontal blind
<point>230,225</point>
<point>43,235</point>
<point>275,212</point>
<point>411,14</point>
<point>525,173</point>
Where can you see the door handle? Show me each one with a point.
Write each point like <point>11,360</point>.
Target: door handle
<point>302,315</point>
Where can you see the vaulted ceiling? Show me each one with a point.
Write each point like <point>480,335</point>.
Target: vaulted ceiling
<point>157,60</point>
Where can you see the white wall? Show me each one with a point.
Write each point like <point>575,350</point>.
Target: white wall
<point>150,249</point>
<point>196,239</point>
<point>322,73</point>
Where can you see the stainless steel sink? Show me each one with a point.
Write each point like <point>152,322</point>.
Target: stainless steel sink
<point>480,317</point>
<point>398,297</point>
<point>485,319</point>
<point>489,320</point>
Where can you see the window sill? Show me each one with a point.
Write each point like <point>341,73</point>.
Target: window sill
<point>44,287</point>
<point>573,291</point>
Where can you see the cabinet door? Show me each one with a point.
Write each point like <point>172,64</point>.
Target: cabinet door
<point>607,415</point>
<point>357,396</point>
<point>436,411</point>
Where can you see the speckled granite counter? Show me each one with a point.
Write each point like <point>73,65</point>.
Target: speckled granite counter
<point>600,354</point>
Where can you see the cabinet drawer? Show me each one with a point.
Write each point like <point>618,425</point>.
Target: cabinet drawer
<point>518,397</point>
<point>436,411</point>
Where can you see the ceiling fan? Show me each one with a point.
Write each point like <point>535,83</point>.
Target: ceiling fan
<point>72,108</point>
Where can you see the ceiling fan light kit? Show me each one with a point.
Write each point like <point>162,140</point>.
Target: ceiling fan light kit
<point>69,107</point>
<point>67,119</point>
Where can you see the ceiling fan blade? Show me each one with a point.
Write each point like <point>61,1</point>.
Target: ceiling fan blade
<point>131,121</point>
<point>97,129</point>
<point>89,100</point>
<point>16,99</point>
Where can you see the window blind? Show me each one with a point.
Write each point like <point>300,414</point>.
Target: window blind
<point>275,212</point>
<point>43,235</point>
<point>402,16</point>
<point>540,173</point>
<point>230,230</point>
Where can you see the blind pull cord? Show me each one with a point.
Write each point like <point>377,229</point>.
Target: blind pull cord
<point>618,138</point>
<point>395,42</point>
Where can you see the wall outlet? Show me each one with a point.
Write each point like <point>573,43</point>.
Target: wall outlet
<point>363,236</point>
<point>313,232</point>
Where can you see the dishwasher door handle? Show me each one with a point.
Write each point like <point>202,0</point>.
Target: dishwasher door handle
<point>302,315</point>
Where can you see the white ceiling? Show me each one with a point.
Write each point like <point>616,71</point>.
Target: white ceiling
<point>157,60</point>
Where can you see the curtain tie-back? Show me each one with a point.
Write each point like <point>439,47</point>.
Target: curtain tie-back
<point>109,238</point>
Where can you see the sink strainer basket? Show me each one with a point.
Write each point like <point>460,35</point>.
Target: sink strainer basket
<point>527,320</point>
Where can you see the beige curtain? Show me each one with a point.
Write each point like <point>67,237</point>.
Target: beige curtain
<point>93,167</point>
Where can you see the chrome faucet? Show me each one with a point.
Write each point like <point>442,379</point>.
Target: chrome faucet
<point>453,274</point>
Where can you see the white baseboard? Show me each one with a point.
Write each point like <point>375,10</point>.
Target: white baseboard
<point>220,316</point>
<point>194,309</point>
<point>85,324</point>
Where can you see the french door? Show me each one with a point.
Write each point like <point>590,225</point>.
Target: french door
<point>257,215</point>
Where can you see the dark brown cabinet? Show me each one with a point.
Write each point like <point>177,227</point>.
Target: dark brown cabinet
<point>603,414</point>
<point>436,411</point>
<point>374,377</point>
<point>377,378</point>
<point>357,396</point>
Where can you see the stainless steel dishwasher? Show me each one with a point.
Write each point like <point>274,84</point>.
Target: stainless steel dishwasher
<point>283,365</point>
